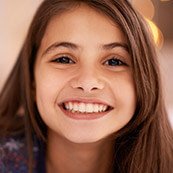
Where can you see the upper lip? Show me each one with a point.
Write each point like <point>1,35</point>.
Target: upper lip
<point>86,100</point>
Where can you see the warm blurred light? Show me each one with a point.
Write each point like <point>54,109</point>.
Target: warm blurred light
<point>146,8</point>
<point>157,34</point>
<point>164,0</point>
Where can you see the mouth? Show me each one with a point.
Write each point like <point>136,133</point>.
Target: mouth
<point>85,108</point>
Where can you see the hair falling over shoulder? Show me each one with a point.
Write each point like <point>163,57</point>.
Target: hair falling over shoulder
<point>145,144</point>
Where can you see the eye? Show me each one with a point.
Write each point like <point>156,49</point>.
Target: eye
<point>114,62</point>
<point>63,60</point>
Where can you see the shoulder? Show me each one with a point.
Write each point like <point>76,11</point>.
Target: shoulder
<point>13,155</point>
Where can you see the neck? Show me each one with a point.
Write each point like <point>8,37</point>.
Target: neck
<point>65,156</point>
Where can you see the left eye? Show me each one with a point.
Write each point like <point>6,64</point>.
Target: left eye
<point>114,62</point>
<point>63,60</point>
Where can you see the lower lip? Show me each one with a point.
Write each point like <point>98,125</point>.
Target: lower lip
<point>84,116</point>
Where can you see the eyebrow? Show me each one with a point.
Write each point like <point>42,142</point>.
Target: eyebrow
<point>60,44</point>
<point>116,44</point>
<point>73,46</point>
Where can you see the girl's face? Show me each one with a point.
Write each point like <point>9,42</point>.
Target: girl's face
<point>83,77</point>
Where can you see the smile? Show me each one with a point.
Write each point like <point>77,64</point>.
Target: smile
<point>85,107</point>
<point>84,110</point>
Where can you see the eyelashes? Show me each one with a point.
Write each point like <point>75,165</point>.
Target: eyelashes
<point>111,61</point>
<point>114,62</point>
<point>63,60</point>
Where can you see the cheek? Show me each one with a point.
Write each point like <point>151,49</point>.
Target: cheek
<point>49,82</point>
<point>125,103</point>
<point>124,93</point>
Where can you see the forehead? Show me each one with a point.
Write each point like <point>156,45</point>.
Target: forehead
<point>82,25</point>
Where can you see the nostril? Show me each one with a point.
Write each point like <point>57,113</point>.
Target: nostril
<point>87,85</point>
<point>87,89</point>
<point>95,88</point>
<point>80,88</point>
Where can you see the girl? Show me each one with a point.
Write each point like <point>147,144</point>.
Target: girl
<point>85,95</point>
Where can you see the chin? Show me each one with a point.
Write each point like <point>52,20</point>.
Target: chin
<point>83,138</point>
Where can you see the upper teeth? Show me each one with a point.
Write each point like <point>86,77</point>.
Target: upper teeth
<point>85,107</point>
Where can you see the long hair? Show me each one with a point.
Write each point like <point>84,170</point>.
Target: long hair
<point>145,144</point>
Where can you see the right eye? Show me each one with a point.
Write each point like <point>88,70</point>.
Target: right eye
<point>63,60</point>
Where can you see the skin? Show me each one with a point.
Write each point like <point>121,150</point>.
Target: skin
<point>82,146</point>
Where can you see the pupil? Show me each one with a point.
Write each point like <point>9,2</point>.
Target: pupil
<point>64,60</point>
<point>113,62</point>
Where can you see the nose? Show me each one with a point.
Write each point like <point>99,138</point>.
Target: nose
<point>87,81</point>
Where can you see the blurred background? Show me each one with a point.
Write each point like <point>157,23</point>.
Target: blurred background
<point>16,15</point>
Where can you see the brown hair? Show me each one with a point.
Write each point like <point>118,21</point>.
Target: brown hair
<point>145,144</point>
